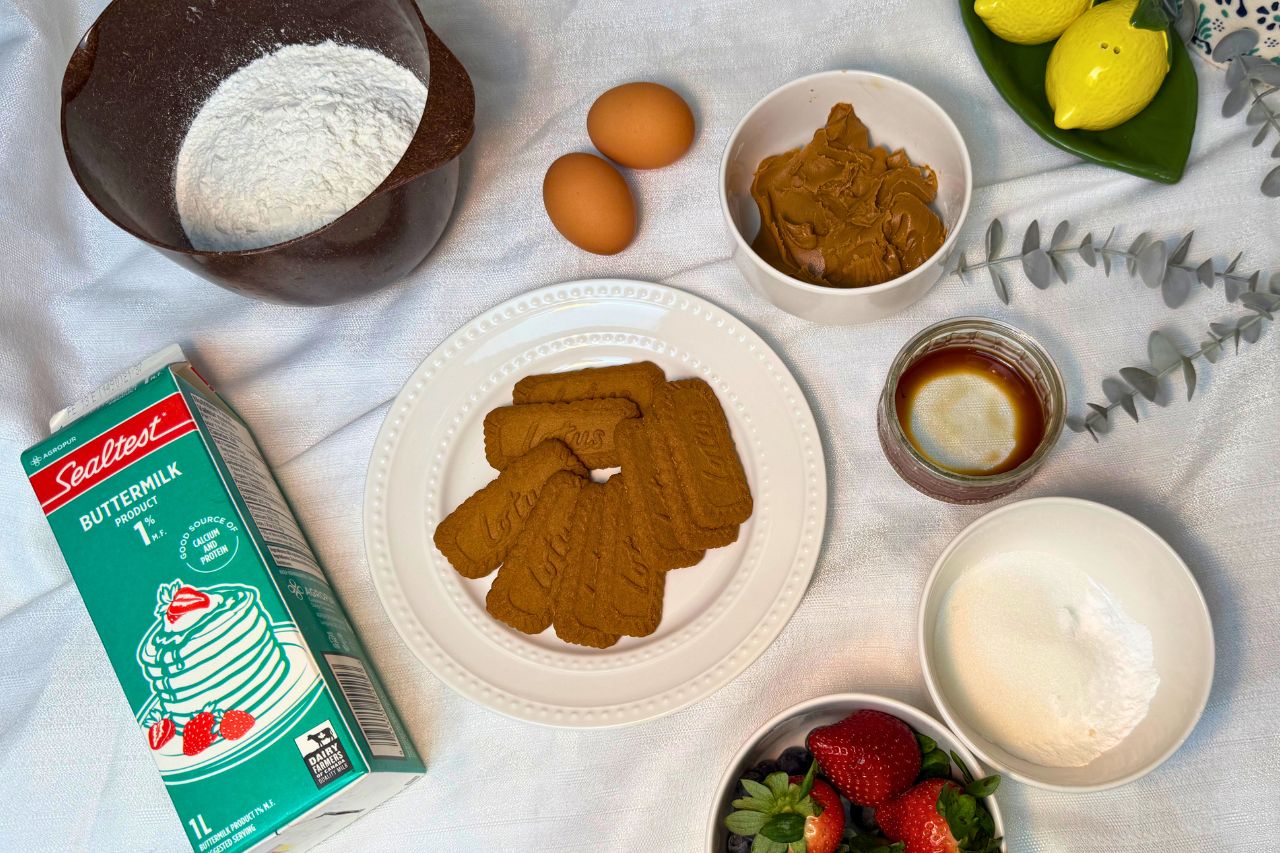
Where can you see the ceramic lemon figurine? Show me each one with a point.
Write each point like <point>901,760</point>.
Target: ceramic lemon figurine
<point>1103,71</point>
<point>1029,21</point>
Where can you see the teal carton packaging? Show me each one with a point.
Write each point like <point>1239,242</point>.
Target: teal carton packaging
<point>269,726</point>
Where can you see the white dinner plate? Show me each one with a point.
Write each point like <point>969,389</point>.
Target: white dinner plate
<point>718,616</point>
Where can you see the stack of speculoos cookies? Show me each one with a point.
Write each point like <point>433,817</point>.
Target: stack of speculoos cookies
<point>591,558</point>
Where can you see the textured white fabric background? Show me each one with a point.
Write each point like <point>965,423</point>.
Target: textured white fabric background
<point>80,299</point>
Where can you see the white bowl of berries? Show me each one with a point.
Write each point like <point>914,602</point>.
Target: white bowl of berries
<point>853,770</point>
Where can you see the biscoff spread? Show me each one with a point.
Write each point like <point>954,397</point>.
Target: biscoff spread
<point>842,213</point>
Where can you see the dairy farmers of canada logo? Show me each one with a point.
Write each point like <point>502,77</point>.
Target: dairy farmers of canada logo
<point>226,681</point>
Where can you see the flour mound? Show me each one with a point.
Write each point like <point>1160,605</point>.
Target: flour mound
<point>291,141</point>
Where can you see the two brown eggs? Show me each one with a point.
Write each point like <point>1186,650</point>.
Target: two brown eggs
<point>636,125</point>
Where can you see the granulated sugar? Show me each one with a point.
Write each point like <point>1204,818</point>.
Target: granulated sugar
<point>292,141</point>
<point>1042,660</point>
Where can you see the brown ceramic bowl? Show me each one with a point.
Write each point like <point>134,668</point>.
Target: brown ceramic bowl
<point>145,67</point>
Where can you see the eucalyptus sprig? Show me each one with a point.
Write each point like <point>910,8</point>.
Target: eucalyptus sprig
<point>1165,358</point>
<point>1156,265</point>
<point>1162,14</point>
<point>1250,81</point>
<point>1150,260</point>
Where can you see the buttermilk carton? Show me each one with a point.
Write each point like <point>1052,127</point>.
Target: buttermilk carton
<point>250,689</point>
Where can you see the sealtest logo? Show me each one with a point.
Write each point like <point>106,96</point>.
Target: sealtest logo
<point>69,476</point>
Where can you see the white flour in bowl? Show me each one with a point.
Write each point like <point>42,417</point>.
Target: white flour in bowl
<point>292,141</point>
<point>1042,661</point>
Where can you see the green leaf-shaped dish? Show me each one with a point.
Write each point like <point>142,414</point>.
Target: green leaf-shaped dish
<point>1153,144</point>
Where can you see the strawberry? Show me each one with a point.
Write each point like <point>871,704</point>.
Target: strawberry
<point>869,756</point>
<point>789,814</point>
<point>235,724</point>
<point>939,816</point>
<point>197,734</point>
<point>185,600</point>
<point>823,831</point>
<point>161,732</point>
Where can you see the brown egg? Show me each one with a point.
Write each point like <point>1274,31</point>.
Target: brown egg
<point>641,125</point>
<point>590,203</point>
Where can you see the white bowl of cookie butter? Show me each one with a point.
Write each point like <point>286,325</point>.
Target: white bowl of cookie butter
<point>897,116</point>
<point>1066,644</point>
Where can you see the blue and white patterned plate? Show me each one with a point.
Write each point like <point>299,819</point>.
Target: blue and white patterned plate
<point>1218,18</point>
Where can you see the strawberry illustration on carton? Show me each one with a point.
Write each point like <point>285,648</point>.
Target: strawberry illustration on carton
<point>250,689</point>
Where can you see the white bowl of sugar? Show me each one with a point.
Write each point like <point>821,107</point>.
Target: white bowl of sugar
<point>1066,644</point>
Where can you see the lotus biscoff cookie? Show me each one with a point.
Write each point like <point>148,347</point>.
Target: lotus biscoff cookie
<point>521,595</point>
<point>703,454</point>
<point>476,536</point>
<point>630,590</point>
<point>635,381</point>
<point>649,497</point>
<point>575,591</point>
<point>586,426</point>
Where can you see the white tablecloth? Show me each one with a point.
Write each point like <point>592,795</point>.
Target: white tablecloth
<point>79,299</point>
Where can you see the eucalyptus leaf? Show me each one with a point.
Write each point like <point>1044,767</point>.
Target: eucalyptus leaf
<point>1262,135</point>
<point>1087,254</point>
<point>1031,240</point>
<point>997,281</point>
<point>1037,267</point>
<point>1059,268</point>
<point>1151,263</point>
<point>1274,286</point>
<point>1237,97</point>
<point>1075,424</point>
<point>1267,73</point>
<point>995,238</point>
<point>1275,152</point>
<point>1059,234</point>
<point>1106,265</point>
<point>1271,183</point>
<point>1204,272</point>
<point>1162,352</point>
<point>1261,301</point>
<point>1212,351</point>
<point>1236,72</point>
<point>1130,407</point>
<point>1092,432</point>
<point>1113,389</point>
<point>1250,329</point>
<point>1142,381</point>
<point>1176,286</point>
<point>1180,251</point>
<point>962,265</point>
<point>1221,331</point>
<point>1099,421</point>
<point>1257,113</point>
<point>1189,376</point>
<point>1234,44</point>
<point>1188,19</point>
<point>1254,279</point>
<point>1100,411</point>
<point>1231,287</point>
<point>1231,267</point>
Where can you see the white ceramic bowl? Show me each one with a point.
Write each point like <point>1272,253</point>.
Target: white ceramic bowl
<point>1145,577</point>
<point>790,728</point>
<point>898,116</point>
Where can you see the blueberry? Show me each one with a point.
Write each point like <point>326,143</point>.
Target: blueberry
<point>737,844</point>
<point>766,767</point>
<point>864,819</point>
<point>752,774</point>
<point>795,761</point>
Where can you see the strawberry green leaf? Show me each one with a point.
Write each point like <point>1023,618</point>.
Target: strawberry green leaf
<point>964,768</point>
<point>808,807</point>
<point>983,787</point>
<point>778,783</point>
<point>806,785</point>
<point>755,789</point>
<point>767,845</point>
<point>745,823</point>
<point>786,828</point>
<point>934,763</point>
<point>754,804</point>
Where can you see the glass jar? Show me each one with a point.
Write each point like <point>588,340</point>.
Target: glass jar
<point>1017,350</point>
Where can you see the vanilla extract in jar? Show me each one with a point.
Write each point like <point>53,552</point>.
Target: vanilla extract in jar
<point>970,409</point>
